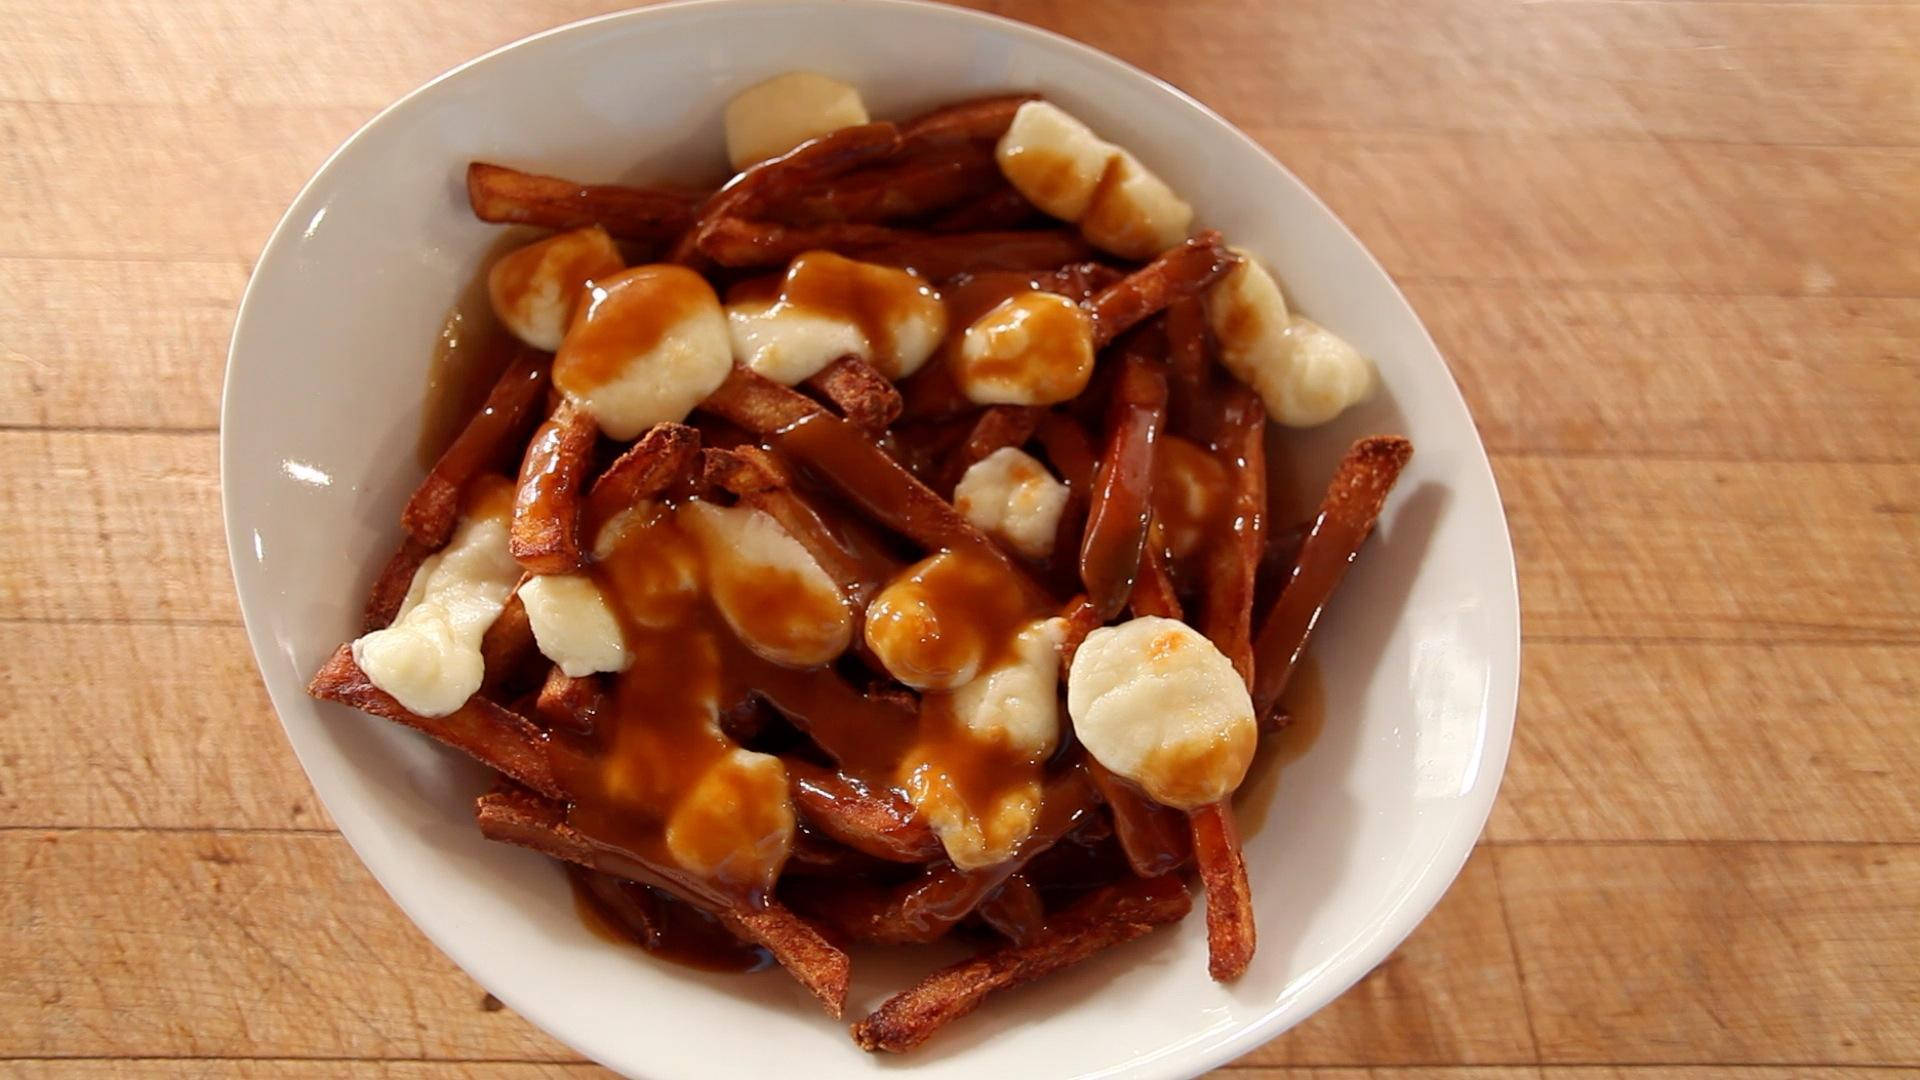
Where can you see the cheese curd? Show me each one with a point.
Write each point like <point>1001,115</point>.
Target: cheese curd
<point>429,657</point>
<point>534,289</point>
<point>572,624</point>
<point>1304,374</point>
<point>736,824</point>
<point>768,588</point>
<point>1155,702</point>
<point>1019,702</point>
<point>772,117</point>
<point>930,626</point>
<point>974,836</point>
<point>648,345</point>
<point>660,590</point>
<point>1063,168</point>
<point>1034,348</point>
<point>829,306</point>
<point>1011,496</point>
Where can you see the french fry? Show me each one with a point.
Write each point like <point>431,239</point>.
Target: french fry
<point>1179,272</point>
<point>914,187</point>
<point>1153,589</point>
<point>508,644</point>
<point>1189,365</point>
<point>998,209</point>
<point>747,243</point>
<point>1117,511</point>
<point>876,822</point>
<point>1117,913</point>
<point>665,457</point>
<point>509,196</point>
<point>998,427</point>
<point>390,587</point>
<point>1347,514</point>
<point>506,741</point>
<point>976,120</point>
<point>1153,837</point>
<point>1014,910</point>
<point>1233,563</point>
<point>861,393</point>
<point>434,507</point>
<point>545,536</point>
<point>1223,877</point>
<point>567,703</point>
<point>526,820</point>
<point>762,186</point>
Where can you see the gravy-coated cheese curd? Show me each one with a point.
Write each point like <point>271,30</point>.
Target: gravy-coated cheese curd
<point>535,289</point>
<point>1063,168</point>
<point>1009,495</point>
<point>829,306</point>
<point>429,658</point>
<point>736,823</point>
<point>975,836</point>
<point>645,347</point>
<point>1034,348</point>
<point>772,117</point>
<point>572,624</point>
<point>1018,702</point>
<point>1155,702</point>
<point>768,588</point>
<point>933,626</point>
<point>1304,374</point>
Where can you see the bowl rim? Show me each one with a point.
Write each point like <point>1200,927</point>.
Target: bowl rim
<point>1420,896</point>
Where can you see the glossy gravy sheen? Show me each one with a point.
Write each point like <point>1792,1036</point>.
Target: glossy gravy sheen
<point>623,317</point>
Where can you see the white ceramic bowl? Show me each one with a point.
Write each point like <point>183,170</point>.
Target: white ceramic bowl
<point>1419,653</point>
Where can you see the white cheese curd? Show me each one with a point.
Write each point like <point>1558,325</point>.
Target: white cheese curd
<point>1011,496</point>
<point>772,117</point>
<point>1019,701</point>
<point>974,836</point>
<point>736,824</point>
<point>1304,374</point>
<point>573,625</point>
<point>1063,168</point>
<point>429,657</point>
<point>1053,159</point>
<point>646,346</point>
<point>768,588</point>
<point>1155,702</point>
<point>534,289</point>
<point>1035,348</point>
<point>788,345</point>
<point>1135,214</point>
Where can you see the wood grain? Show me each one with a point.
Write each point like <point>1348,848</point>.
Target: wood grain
<point>1755,953</point>
<point>1667,741</point>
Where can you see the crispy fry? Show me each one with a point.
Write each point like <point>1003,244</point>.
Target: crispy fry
<point>1153,837</point>
<point>545,537</point>
<point>1014,909</point>
<point>509,196</point>
<point>569,704</point>
<point>1233,561</point>
<point>508,644</point>
<point>1347,513</point>
<point>851,462</point>
<point>525,819</point>
<point>1153,590</point>
<point>860,392</point>
<point>666,457</point>
<point>745,243</point>
<point>998,427</point>
<point>1109,916</point>
<point>762,186</point>
<point>976,120</point>
<point>497,737</point>
<point>1118,508</point>
<point>877,822</point>
<point>1180,272</point>
<point>430,513</point>
<point>999,208</point>
<point>390,588</point>
<point>912,188</point>
<point>1223,876</point>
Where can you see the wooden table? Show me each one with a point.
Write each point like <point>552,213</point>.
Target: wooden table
<point>1672,250</point>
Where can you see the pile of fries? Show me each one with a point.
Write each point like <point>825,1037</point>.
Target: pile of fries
<point>717,765</point>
